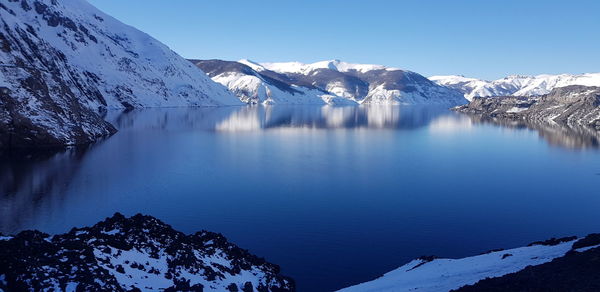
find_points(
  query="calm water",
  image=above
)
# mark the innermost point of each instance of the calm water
(335, 195)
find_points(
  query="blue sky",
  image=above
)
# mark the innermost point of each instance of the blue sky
(486, 38)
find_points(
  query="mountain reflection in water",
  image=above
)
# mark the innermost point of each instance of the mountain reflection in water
(37, 181)
(33, 183)
(555, 134)
(306, 186)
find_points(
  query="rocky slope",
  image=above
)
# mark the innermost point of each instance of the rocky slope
(574, 106)
(540, 266)
(515, 85)
(64, 62)
(326, 82)
(139, 253)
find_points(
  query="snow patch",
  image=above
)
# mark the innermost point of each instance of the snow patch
(448, 274)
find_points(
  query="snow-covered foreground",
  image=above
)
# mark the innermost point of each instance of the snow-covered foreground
(515, 85)
(435, 275)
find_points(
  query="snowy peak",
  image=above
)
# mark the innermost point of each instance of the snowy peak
(515, 85)
(329, 82)
(255, 66)
(452, 79)
(336, 65)
(253, 84)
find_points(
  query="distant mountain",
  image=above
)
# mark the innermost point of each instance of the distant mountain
(65, 62)
(331, 81)
(515, 85)
(139, 253)
(264, 86)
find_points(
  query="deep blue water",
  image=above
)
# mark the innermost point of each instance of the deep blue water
(334, 195)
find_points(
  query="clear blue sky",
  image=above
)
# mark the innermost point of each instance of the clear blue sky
(483, 38)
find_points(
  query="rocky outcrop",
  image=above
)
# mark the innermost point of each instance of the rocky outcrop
(572, 106)
(139, 253)
(63, 63)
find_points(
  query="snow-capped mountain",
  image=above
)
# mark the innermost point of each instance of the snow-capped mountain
(63, 62)
(529, 264)
(139, 253)
(264, 86)
(515, 85)
(333, 81)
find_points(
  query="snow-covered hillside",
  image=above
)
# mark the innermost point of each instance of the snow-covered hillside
(256, 85)
(64, 61)
(139, 253)
(515, 85)
(331, 81)
(430, 274)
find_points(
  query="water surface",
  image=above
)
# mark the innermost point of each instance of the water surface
(334, 195)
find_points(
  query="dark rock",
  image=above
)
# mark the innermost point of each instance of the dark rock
(590, 240)
(91, 257)
(553, 241)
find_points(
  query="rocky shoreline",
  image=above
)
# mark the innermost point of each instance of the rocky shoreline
(572, 106)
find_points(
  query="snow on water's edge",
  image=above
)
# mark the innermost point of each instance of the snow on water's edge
(447, 274)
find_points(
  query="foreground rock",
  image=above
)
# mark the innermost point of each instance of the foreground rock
(62, 63)
(572, 106)
(137, 253)
(567, 264)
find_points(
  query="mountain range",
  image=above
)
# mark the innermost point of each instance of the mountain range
(514, 85)
(326, 82)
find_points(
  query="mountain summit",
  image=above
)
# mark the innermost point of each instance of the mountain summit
(322, 82)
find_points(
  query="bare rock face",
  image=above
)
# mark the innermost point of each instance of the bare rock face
(133, 254)
(572, 106)
(63, 63)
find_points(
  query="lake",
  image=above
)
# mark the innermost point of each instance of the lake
(334, 195)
